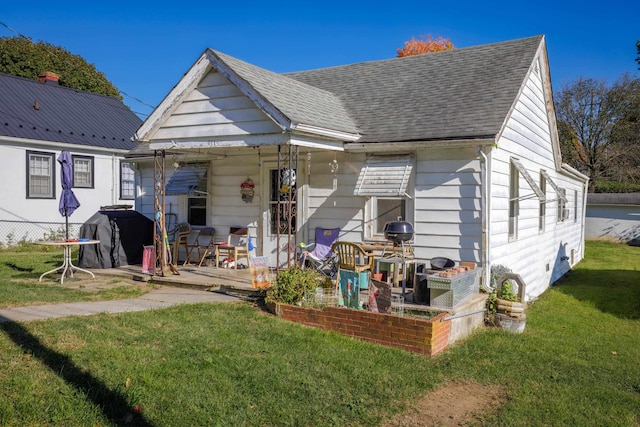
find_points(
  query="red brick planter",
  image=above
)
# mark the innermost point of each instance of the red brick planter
(425, 336)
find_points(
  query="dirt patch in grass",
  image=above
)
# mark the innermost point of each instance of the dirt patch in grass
(453, 404)
(101, 283)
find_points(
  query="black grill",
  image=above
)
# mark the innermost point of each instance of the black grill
(398, 231)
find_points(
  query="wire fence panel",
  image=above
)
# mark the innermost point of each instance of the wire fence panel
(14, 233)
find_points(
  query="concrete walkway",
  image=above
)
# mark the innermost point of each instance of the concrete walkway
(163, 296)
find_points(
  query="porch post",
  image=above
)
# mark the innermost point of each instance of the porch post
(159, 231)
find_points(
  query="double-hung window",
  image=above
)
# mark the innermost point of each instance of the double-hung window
(40, 175)
(516, 170)
(543, 203)
(82, 171)
(514, 201)
(127, 181)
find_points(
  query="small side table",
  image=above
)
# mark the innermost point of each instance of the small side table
(67, 265)
(397, 263)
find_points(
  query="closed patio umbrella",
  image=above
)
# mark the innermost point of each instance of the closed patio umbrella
(68, 201)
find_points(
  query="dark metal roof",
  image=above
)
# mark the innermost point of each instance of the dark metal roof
(46, 111)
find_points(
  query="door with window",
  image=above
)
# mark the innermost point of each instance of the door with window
(280, 213)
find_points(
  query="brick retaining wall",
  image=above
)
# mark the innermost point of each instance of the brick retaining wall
(425, 336)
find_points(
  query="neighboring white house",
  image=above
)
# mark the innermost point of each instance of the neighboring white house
(461, 143)
(39, 119)
(614, 217)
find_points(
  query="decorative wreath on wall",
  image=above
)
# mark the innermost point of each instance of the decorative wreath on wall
(246, 190)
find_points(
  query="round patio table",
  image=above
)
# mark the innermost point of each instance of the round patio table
(67, 265)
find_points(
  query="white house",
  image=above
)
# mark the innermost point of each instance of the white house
(461, 143)
(38, 120)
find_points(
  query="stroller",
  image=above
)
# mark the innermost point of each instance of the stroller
(318, 256)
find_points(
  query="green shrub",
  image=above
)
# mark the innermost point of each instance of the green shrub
(291, 284)
(616, 187)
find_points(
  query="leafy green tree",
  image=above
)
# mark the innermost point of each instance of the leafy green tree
(599, 129)
(19, 56)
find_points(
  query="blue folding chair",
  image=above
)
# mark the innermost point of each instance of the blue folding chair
(319, 256)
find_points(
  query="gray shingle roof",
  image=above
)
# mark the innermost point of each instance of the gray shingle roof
(300, 102)
(49, 112)
(462, 93)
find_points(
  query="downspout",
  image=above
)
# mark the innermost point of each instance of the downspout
(585, 188)
(485, 206)
(114, 174)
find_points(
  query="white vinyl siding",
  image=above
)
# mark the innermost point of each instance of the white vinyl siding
(537, 254)
(216, 109)
(447, 204)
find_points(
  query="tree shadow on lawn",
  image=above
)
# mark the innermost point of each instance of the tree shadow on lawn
(113, 404)
(616, 292)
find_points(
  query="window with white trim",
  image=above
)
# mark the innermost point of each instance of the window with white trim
(40, 175)
(197, 203)
(384, 179)
(197, 210)
(514, 200)
(127, 181)
(82, 171)
(543, 203)
(563, 212)
(384, 210)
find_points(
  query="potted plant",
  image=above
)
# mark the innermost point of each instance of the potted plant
(505, 307)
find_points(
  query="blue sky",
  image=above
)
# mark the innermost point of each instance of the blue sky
(144, 47)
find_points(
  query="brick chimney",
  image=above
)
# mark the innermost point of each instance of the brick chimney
(48, 77)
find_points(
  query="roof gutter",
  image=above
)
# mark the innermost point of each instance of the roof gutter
(329, 133)
(62, 145)
(372, 147)
(571, 171)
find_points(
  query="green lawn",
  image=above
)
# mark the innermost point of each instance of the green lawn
(233, 365)
(19, 285)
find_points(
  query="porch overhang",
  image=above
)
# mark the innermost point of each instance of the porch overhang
(220, 142)
(301, 139)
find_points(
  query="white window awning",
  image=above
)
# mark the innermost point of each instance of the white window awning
(537, 192)
(559, 191)
(187, 180)
(385, 176)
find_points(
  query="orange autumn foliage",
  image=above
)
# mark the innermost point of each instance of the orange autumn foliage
(424, 44)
